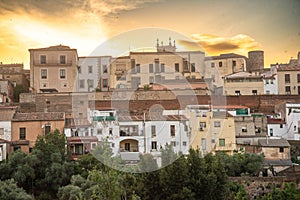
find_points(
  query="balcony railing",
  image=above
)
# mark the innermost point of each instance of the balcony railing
(124, 133)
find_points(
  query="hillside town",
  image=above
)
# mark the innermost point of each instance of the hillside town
(145, 100)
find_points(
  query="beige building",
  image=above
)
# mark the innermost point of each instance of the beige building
(212, 129)
(243, 83)
(26, 127)
(53, 69)
(143, 68)
(216, 67)
(288, 79)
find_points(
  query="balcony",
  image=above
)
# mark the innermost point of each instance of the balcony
(19, 142)
(53, 63)
(125, 133)
(104, 118)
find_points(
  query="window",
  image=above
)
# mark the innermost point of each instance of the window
(268, 92)
(203, 143)
(62, 59)
(150, 68)
(298, 89)
(271, 132)
(287, 78)
(281, 126)
(104, 67)
(62, 73)
(90, 83)
(153, 131)
(154, 145)
(173, 143)
(184, 143)
(132, 62)
(267, 81)
(99, 131)
(47, 129)
(212, 64)
(281, 149)
(105, 83)
(233, 63)
(298, 78)
(79, 69)
(287, 89)
(113, 145)
(172, 130)
(151, 79)
(244, 129)
(221, 142)
(237, 92)
(193, 68)
(22, 133)
(176, 67)
(295, 128)
(110, 131)
(156, 61)
(138, 68)
(271, 81)
(217, 124)
(81, 83)
(94, 144)
(254, 92)
(1, 131)
(220, 64)
(90, 68)
(162, 67)
(202, 126)
(43, 59)
(44, 73)
(185, 65)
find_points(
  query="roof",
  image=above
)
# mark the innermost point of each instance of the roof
(152, 117)
(277, 162)
(225, 56)
(50, 116)
(7, 112)
(288, 68)
(275, 121)
(273, 143)
(242, 75)
(55, 48)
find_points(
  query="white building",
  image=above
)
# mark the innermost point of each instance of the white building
(134, 134)
(288, 125)
(6, 114)
(270, 79)
(93, 73)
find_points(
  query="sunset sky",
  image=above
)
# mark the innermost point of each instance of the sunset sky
(217, 26)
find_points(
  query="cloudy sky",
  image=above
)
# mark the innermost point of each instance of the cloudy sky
(215, 26)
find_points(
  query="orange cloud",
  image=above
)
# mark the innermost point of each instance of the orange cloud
(213, 45)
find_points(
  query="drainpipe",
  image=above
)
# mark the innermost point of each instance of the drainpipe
(144, 131)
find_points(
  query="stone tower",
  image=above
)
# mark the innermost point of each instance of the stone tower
(255, 61)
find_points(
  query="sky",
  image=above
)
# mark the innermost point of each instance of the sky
(213, 26)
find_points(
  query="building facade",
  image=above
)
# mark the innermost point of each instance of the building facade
(26, 127)
(53, 69)
(94, 73)
(243, 83)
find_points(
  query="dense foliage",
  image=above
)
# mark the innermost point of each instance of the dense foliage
(47, 173)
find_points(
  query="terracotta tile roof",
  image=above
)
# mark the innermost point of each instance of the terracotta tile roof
(224, 56)
(275, 121)
(152, 117)
(273, 143)
(288, 68)
(51, 116)
(55, 48)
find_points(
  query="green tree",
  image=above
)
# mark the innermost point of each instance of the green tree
(17, 91)
(9, 190)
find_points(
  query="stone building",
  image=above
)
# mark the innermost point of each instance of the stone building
(15, 73)
(53, 69)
